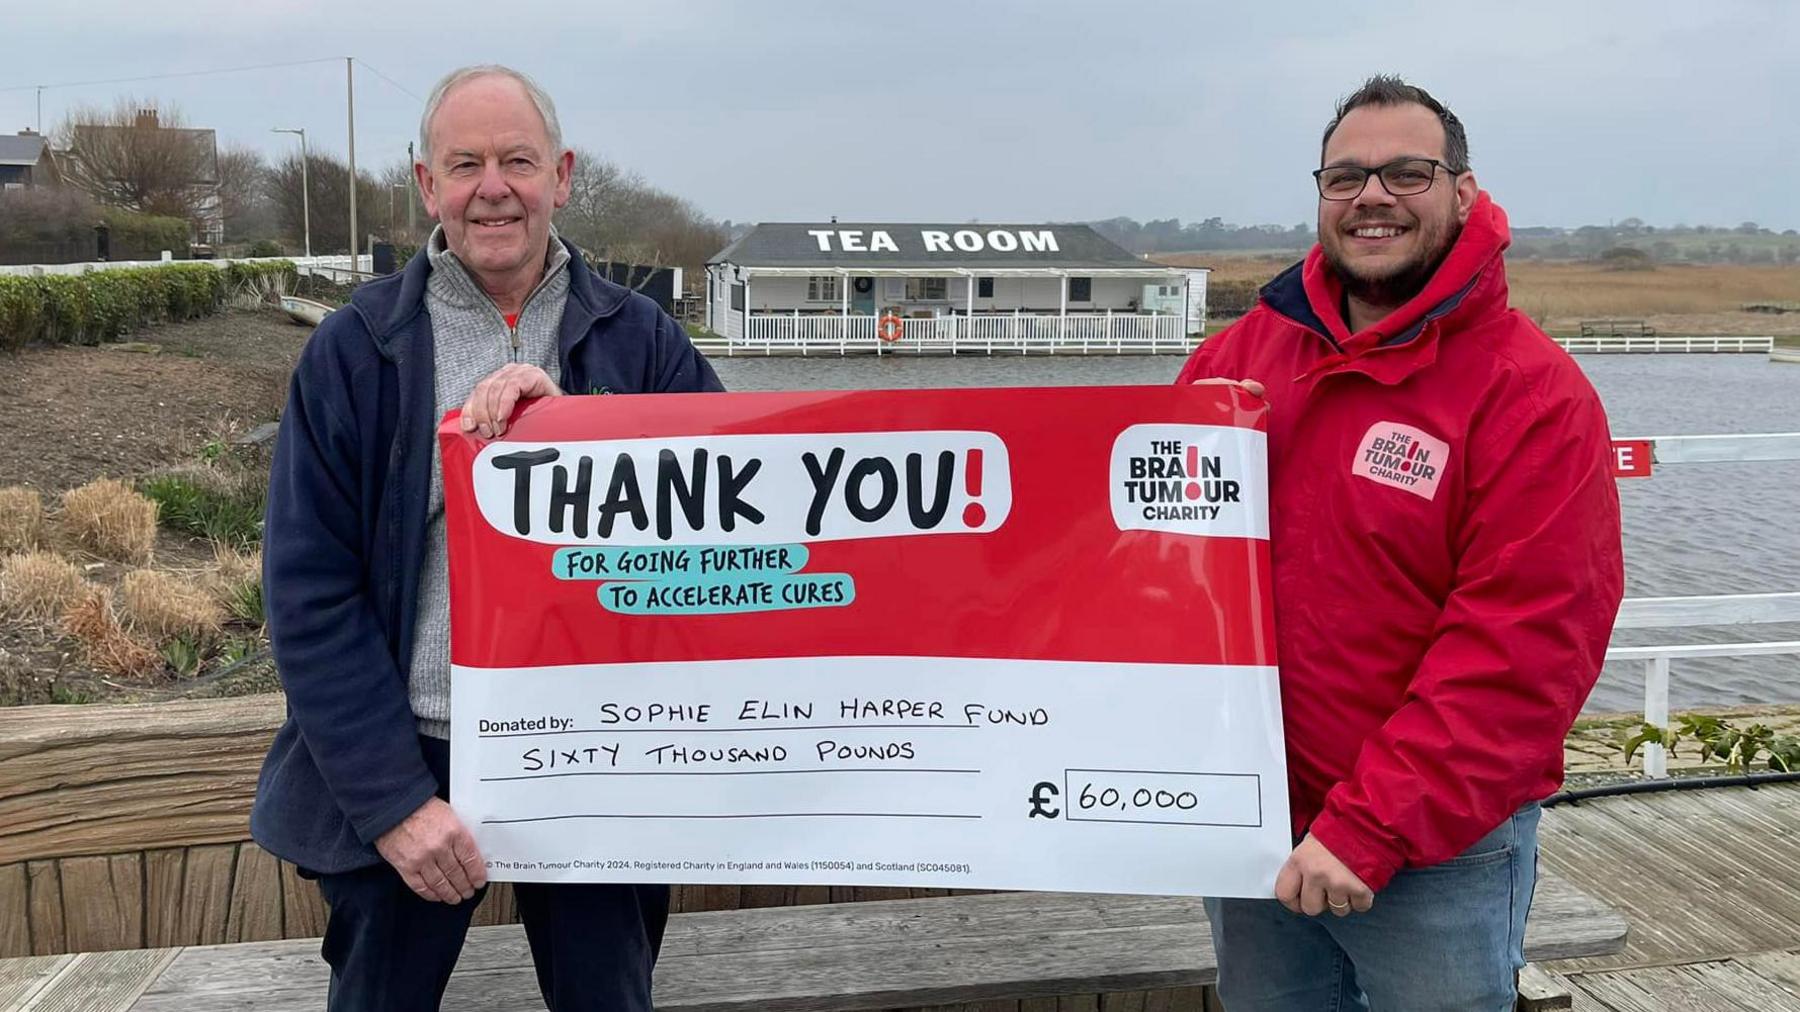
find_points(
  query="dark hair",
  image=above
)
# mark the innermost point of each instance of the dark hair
(1386, 89)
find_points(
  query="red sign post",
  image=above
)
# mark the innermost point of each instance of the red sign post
(1632, 458)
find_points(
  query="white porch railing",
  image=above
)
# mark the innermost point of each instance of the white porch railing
(1080, 333)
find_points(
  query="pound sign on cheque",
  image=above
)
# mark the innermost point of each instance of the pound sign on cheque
(1040, 801)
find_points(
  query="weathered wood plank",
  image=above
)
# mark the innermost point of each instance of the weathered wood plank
(1717, 986)
(756, 897)
(112, 779)
(697, 898)
(15, 911)
(23, 977)
(868, 976)
(302, 905)
(101, 981)
(103, 902)
(1582, 843)
(886, 955)
(164, 871)
(1584, 1002)
(206, 889)
(1781, 967)
(1539, 992)
(499, 906)
(43, 898)
(255, 911)
(1697, 874)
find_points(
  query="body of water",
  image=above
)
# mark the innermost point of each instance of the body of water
(1691, 529)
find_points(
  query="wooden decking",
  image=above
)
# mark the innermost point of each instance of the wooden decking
(1710, 883)
(1003, 950)
(1707, 880)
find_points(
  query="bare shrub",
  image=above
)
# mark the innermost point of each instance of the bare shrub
(21, 519)
(160, 607)
(105, 644)
(108, 518)
(39, 586)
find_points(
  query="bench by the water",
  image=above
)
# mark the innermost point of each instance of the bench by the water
(1616, 328)
(875, 955)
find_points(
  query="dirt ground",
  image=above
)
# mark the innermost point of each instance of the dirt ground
(71, 415)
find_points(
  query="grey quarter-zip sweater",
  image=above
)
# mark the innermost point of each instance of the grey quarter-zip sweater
(472, 340)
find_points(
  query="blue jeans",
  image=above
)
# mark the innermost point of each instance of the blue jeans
(1449, 937)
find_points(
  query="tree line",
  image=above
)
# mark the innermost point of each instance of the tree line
(1746, 242)
(121, 160)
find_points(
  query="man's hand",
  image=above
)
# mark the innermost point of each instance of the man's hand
(1314, 881)
(491, 403)
(1249, 386)
(435, 854)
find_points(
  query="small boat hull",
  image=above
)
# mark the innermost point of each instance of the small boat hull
(305, 310)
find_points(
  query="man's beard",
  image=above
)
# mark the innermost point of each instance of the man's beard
(1394, 287)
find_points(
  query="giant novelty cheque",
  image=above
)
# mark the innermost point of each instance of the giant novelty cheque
(1000, 639)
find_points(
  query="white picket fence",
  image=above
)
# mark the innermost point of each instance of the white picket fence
(1666, 345)
(1076, 333)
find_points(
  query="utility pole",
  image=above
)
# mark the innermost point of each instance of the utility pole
(412, 180)
(40, 96)
(350, 106)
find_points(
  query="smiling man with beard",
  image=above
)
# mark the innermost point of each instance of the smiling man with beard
(354, 792)
(1447, 566)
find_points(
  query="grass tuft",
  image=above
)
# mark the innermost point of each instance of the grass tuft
(39, 586)
(21, 519)
(108, 518)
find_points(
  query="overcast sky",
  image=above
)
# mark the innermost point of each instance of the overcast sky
(1577, 112)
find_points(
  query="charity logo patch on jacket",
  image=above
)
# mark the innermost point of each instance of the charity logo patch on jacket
(1403, 457)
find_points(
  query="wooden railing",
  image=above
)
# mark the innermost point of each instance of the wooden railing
(125, 827)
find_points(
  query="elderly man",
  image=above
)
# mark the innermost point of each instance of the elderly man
(495, 309)
(1446, 571)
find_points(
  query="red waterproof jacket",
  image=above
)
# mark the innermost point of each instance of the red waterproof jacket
(1445, 535)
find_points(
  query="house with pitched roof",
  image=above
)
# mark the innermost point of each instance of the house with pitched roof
(834, 286)
(25, 161)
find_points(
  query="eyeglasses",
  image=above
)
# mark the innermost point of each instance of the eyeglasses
(1402, 177)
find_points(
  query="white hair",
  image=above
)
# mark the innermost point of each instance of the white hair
(539, 98)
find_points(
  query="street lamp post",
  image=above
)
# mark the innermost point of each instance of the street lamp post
(305, 198)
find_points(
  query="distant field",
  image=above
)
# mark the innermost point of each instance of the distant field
(1676, 299)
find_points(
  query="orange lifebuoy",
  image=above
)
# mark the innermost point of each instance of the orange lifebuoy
(890, 328)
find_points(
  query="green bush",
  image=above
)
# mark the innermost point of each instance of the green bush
(220, 503)
(1231, 298)
(102, 305)
(135, 236)
(266, 248)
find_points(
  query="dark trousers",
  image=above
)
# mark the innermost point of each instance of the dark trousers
(390, 950)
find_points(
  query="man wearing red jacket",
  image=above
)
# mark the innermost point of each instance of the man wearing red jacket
(1447, 567)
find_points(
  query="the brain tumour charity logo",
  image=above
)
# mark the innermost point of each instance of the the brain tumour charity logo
(1175, 481)
(1187, 479)
(1401, 456)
